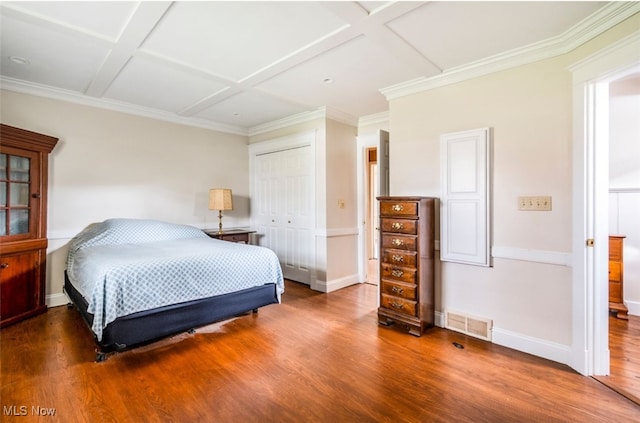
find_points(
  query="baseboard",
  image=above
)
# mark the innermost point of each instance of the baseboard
(57, 300)
(527, 344)
(634, 307)
(534, 346)
(336, 284)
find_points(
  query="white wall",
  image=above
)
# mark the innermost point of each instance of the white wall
(110, 164)
(624, 181)
(529, 109)
(624, 127)
(528, 292)
(342, 228)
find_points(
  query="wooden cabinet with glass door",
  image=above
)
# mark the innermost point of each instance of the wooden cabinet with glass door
(23, 222)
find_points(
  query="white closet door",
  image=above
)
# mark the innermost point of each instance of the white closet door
(284, 215)
(266, 200)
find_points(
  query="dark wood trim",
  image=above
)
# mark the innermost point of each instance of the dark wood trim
(21, 138)
(13, 247)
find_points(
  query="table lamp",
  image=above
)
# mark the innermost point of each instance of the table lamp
(220, 199)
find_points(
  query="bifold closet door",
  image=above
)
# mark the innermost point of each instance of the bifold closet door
(284, 216)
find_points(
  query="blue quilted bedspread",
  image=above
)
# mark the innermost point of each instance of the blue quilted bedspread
(123, 266)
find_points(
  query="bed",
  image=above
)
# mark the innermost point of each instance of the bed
(135, 281)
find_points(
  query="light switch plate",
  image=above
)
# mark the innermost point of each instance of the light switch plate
(537, 203)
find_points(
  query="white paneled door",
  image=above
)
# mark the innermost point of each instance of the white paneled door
(284, 216)
(465, 218)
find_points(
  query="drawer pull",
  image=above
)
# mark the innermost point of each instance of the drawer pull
(397, 258)
(396, 273)
(396, 226)
(396, 305)
(397, 207)
(397, 242)
(397, 290)
(4, 265)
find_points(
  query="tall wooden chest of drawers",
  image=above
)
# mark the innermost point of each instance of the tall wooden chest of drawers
(616, 277)
(407, 262)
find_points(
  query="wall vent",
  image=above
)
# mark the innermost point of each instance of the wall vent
(472, 326)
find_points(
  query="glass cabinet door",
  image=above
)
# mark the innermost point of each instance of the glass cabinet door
(16, 176)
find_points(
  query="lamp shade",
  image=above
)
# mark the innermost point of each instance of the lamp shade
(220, 199)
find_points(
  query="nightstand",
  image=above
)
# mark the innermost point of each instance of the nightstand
(232, 235)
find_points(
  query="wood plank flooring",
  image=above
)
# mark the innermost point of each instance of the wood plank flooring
(624, 352)
(314, 358)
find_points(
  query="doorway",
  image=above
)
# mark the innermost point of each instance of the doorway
(624, 207)
(373, 181)
(372, 215)
(591, 77)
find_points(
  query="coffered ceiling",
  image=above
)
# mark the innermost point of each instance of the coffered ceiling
(240, 66)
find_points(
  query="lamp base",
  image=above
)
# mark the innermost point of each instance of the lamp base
(219, 222)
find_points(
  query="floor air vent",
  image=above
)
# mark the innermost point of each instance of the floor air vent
(472, 326)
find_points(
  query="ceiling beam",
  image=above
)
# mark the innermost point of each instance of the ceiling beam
(144, 19)
(374, 27)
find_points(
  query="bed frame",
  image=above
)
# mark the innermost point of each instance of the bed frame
(147, 326)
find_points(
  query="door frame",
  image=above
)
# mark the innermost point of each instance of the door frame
(591, 77)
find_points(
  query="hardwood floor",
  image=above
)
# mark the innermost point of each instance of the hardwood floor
(314, 358)
(624, 351)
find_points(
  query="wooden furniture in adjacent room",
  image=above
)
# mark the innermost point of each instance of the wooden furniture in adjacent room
(23, 222)
(616, 272)
(233, 235)
(407, 262)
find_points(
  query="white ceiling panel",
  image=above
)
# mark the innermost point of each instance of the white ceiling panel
(237, 39)
(149, 84)
(352, 67)
(54, 58)
(251, 64)
(249, 109)
(456, 33)
(105, 18)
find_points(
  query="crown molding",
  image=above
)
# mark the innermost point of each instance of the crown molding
(285, 122)
(320, 113)
(603, 19)
(339, 116)
(375, 119)
(628, 43)
(40, 90)
(598, 22)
